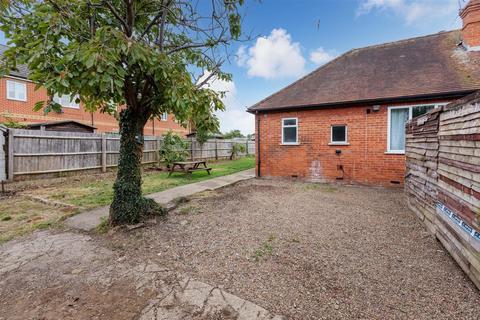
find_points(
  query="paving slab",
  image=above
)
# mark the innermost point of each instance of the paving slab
(89, 220)
(65, 275)
(191, 299)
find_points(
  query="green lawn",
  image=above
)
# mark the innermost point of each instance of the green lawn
(98, 193)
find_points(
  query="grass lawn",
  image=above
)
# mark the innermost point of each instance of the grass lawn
(99, 193)
(19, 214)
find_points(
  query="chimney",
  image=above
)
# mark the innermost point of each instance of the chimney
(470, 15)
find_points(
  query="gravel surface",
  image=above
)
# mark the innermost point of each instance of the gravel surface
(310, 251)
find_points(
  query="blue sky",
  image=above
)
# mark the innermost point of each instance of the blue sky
(294, 37)
(298, 36)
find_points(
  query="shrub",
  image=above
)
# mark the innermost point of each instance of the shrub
(236, 149)
(10, 123)
(174, 149)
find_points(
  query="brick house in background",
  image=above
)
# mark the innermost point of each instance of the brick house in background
(18, 96)
(346, 120)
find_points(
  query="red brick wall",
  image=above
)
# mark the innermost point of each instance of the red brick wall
(22, 112)
(364, 160)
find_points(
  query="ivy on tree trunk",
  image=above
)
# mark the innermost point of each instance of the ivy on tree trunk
(128, 204)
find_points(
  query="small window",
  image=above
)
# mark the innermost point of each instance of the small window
(339, 134)
(65, 101)
(290, 131)
(16, 90)
(164, 116)
(419, 110)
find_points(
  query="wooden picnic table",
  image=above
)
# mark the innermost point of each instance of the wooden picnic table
(189, 167)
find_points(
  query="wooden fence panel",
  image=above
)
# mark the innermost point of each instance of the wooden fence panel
(3, 156)
(41, 152)
(443, 178)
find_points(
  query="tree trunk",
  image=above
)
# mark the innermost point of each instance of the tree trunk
(128, 204)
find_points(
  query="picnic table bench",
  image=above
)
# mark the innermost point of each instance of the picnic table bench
(189, 167)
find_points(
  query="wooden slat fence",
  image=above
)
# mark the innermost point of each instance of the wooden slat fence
(34, 152)
(3, 149)
(443, 178)
(219, 148)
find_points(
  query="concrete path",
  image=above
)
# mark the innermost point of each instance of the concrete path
(89, 220)
(70, 276)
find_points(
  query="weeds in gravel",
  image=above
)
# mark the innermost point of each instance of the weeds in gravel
(180, 200)
(265, 249)
(188, 210)
(103, 226)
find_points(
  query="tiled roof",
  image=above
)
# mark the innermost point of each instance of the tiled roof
(426, 66)
(22, 70)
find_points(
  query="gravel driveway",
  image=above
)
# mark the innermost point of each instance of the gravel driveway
(310, 251)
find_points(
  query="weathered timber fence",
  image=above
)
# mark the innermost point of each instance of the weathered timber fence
(34, 152)
(443, 178)
(3, 149)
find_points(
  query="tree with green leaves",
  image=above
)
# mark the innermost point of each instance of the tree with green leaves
(146, 56)
(173, 149)
(233, 134)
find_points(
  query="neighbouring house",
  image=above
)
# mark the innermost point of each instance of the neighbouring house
(346, 120)
(18, 96)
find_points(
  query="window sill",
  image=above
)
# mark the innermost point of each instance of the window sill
(290, 144)
(395, 152)
(13, 99)
(339, 144)
(70, 107)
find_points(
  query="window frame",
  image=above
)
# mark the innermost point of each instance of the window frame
(14, 82)
(290, 126)
(339, 143)
(410, 117)
(164, 116)
(68, 106)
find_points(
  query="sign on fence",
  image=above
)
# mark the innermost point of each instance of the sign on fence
(42, 152)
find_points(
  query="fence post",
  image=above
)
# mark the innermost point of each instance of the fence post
(157, 154)
(246, 147)
(191, 149)
(10, 154)
(104, 153)
(3, 156)
(216, 149)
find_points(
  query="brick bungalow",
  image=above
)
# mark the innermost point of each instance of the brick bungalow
(18, 96)
(346, 120)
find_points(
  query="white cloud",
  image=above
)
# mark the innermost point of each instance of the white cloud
(412, 11)
(237, 119)
(321, 56)
(274, 56)
(235, 116)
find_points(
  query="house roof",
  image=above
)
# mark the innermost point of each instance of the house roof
(429, 66)
(22, 70)
(55, 123)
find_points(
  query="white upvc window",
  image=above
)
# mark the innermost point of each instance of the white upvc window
(65, 101)
(16, 90)
(397, 118)
(164, 116)
(290, 131)
(339, 134)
